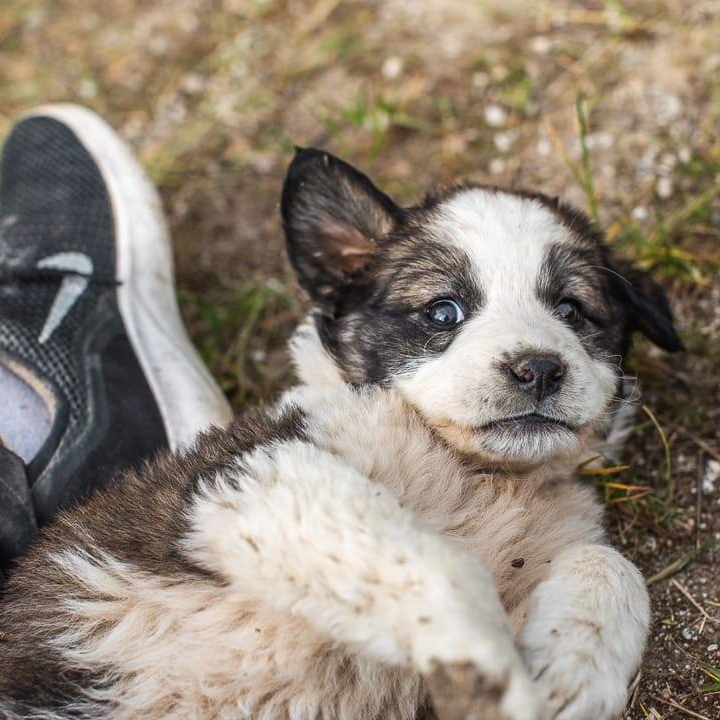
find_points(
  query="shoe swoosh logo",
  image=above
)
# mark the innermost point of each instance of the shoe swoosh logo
(72, 287)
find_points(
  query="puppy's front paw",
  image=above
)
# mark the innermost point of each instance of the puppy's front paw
(585, 632)
(572, 674)
(461, 691)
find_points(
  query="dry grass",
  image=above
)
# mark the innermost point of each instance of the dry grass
(614, 105)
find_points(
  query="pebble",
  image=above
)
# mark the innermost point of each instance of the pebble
(505, 140)
(684, 155)
(497, 166)
(541, 44)
(495, 115)
(87, 89)
(392, 67)
(712, 647)
(480, 79)
(710, 477)
(688, 633)
(193, 83)
(664, 187)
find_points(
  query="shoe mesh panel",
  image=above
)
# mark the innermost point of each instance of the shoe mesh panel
(52, 200)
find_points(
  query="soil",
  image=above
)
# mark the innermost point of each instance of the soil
(613, 105)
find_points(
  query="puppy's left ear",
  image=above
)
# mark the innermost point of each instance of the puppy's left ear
(333, 218)
(649, 310)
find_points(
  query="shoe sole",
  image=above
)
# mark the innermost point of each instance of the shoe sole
(188, 398)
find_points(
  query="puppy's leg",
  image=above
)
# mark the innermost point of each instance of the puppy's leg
(585, 632)
(299, 530)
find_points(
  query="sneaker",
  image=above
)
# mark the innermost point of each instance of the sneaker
(17, 514)
(88, 314)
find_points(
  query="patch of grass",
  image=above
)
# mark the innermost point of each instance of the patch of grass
(375, 114)
(240, 332)
(713, 673)
(682, 243)
(584, 173)
(518, 89)
(667, 462)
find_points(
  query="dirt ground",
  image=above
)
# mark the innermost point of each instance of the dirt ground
(613, 105)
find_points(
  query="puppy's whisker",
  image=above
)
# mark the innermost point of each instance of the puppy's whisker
(608, 270)
(590, 335)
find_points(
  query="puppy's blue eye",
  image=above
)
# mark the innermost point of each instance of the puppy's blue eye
(570, 311)
(445, 313)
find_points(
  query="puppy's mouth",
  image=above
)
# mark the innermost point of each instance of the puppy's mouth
(532, 422)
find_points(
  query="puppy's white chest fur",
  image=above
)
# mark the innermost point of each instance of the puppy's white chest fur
(514, 523)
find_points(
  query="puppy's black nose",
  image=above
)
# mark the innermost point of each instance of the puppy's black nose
(538, 375)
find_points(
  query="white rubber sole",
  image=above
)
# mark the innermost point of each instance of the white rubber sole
(187, 396)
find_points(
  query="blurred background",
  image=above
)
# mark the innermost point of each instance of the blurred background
(613, 105)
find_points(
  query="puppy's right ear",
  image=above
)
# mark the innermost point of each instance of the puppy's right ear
(333, 218)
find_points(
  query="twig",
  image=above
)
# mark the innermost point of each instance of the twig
(673, 567)
(693, 601)
(681, 563)
(698, 500)
(588, 183)
(633, 690)
(700, 443)
(317, 16)
(677, 706)
(669, 480)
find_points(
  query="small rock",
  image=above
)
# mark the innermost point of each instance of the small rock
(664, 187)
(688, 633)
(499, 72)
(497, 166)
(87, 89)
(541, 44)
(710, 477)
(684, 155)
(505, 140)
(712, 647)
(480, 79)
(193, 83)
(650, 544)
(392, 67)
(602, 140)
(495, 115)
(158, 45)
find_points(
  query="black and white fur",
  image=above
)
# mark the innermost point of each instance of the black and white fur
(401, 536)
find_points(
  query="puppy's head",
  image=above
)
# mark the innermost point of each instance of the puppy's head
(498, 315)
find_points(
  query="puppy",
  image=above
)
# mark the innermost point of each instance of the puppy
(401, 536)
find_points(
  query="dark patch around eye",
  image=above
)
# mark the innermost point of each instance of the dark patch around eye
(570, 271)
(578, 271)
(418, 270)
(390, 330)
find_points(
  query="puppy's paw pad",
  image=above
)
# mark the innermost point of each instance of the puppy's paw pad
(459, 691)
